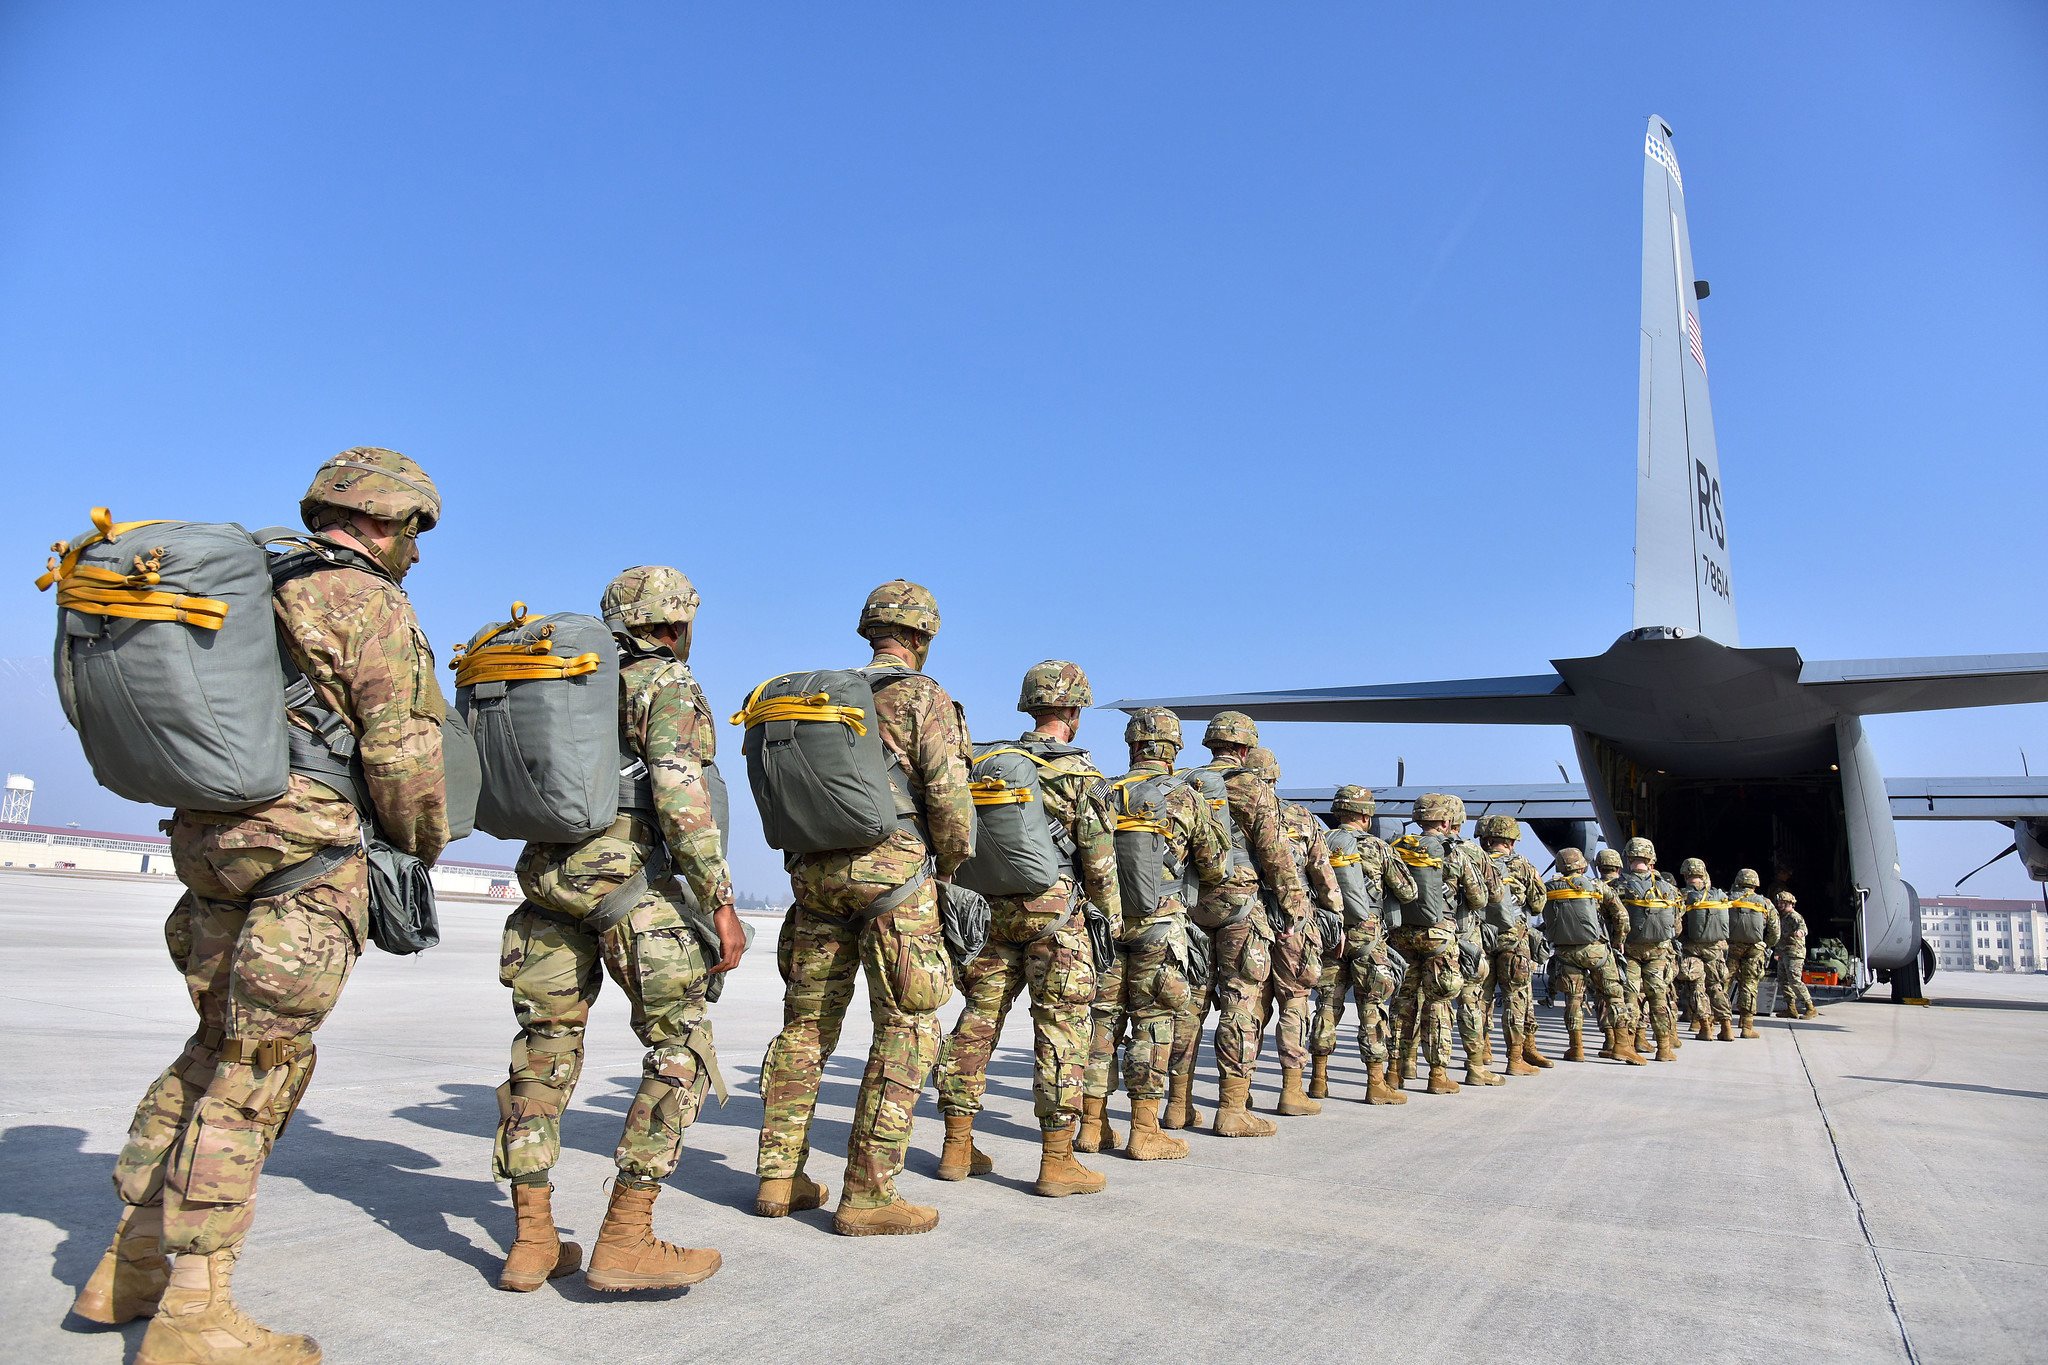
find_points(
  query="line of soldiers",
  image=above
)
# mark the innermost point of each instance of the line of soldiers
(1262, 915)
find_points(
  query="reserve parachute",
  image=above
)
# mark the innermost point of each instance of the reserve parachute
(1020, 849)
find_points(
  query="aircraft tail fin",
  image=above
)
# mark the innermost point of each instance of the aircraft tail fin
(1682, 576)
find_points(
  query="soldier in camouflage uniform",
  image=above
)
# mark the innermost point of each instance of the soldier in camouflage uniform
(1240, 931)
(1298, 947)
(1796, 1001)
(274, 916)
(1433, 983)
(1703, 929)
(1039, 943)
(1520, 886)
(873, 910)
(1155, 937)
(1475, 1027)
(1652, 904)
(1585, 922)
(622, 903)
(1752, 933)
(1367, 873)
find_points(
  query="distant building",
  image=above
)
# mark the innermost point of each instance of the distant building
(15, 800)
(1976, 934)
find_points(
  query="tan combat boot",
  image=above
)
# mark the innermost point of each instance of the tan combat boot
(1440, 1082)
(1319, 1079)
(1702, 1031)
(1397, 1070)
(1625, 1049)
(897, 1218)
(1727, 1032)
(1531, 1055)
(1180, 1103)
(197, 1321)
(1519, 1065)
(1232, 1118)
(1377, 1091)
(1147, 1142)
(1095, 1134)
(1608, 1049)
(1575, 1045)
(1059, 1174)
(1642, 1036)
(1477, 1074)
(538, 1253)
(1292, 1099)
(1749, 1026)
(131, 1276)
(779, 1198)
(1812, 1012)
(629, 1256)
(1667, 1042)
(961, 1158)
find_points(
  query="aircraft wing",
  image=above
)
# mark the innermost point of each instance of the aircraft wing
(1968, 798)
(1868, 687)
(1537, 699)
(1532, 801)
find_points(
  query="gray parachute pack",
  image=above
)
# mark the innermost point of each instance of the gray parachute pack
(1147, 870)
(1020, 849)
(1424, 855)
(822, 779)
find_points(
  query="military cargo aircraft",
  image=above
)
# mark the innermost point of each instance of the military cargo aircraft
(1740, 756)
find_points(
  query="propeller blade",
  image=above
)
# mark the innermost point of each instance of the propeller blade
(2009, 849)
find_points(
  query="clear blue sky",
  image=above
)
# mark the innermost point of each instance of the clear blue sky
(1180, 340)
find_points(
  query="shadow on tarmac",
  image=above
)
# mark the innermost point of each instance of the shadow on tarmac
(1955, 1085)
(46, 1174)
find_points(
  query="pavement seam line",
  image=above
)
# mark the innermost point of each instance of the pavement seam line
(1884, 1278)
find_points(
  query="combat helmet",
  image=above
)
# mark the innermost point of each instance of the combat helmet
(1747, 880)
(1262, 762)
(1500, 827)
(650, 595)
(1457, 815)
(1639, 847)
(1570, 860)
(899, 602)
(1052, 685)
(1787, 898)
(1693, 867)
(1152, 725)
(1433, 806)
(1353, 800)
(375, 481)
(1609, 858)
(1230, 727)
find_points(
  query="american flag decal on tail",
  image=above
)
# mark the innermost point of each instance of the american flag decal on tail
(1692, 338)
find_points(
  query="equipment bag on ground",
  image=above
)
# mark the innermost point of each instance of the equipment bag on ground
(541, 696)
(822, 779)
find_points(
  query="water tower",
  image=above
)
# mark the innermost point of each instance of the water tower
(21, 794)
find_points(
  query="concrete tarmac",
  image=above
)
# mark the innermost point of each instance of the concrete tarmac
(1865, 1187)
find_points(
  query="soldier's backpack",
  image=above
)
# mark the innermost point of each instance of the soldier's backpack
(822, 778)
(1361, 898)
(1147, 871)
(1424, 855)
(167, 662)
(1020, 849)
(541, 695)
(1210, 784)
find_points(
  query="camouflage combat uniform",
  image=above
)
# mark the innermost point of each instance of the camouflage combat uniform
(829, 936)
(1240, 932)
(1703, 930)
(1155, 940)
(1361, 968)
(1298, 950)
(1752, 932)
(1652, 902)
(1039, 943)
(553, 963)
(1514, 967)
(263, 974)
(1584, 920)
(1475, 1031)
(1796, 1000)
(1433, 984)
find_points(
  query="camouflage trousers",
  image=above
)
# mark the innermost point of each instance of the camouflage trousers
(552, 966)
(1157, 999)
(1370, 976)
(1792, 983)
(1188, 1024)
(1430, 989)
(826, 941)
(1650, 986)
(1511, 980)
(1746, 973)
(1105, 1030)
(1474, 994)
(263, 975)
(1240, 964)
(1580, 963)
(1710, 985)
(1289, 991)
(1036, 945)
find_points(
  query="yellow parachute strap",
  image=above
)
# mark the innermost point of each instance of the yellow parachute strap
(1708, 905)
(1414, 854)
(1126, 824)
(991, 792)
(1561, 893)
(1089, 773)
(814, 706)
(479, 661)
(1346, 859)
(130, 596)
(1648, 902)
